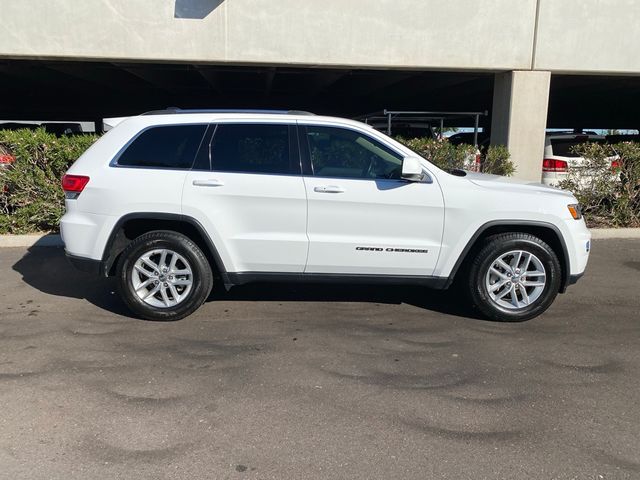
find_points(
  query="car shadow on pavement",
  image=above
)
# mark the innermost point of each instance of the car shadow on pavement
(446, 302)
(47, 270)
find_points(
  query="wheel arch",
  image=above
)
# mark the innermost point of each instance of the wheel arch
(548, 232)
(132, 225)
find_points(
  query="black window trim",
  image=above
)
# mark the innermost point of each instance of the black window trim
(294, 150)
(305, 153)
(204, 151)
(114, 162)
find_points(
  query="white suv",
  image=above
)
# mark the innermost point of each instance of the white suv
(169, 201)
(559, 157)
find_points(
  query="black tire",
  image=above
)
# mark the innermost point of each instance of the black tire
(202, 277)
(502, 244)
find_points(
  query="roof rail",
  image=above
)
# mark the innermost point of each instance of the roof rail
(176, 110)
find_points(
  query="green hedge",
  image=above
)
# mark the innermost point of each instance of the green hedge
(32, 200)
(447, 156)
(610, 197)
(31, 196)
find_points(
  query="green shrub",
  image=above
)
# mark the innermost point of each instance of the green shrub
(441, 153)
(497, 161)
(447, 156)
(609, 196)
(31, 197)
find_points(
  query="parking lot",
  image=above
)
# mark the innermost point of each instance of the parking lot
(305, 382)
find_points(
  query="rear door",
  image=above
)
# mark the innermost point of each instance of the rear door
(247, 190)
(363, 218)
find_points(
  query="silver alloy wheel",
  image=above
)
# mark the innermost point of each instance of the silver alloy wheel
(515, 279)
(162, 278)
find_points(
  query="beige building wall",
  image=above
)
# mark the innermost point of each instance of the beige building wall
(571, 36)
(456, 34)
(588, 36)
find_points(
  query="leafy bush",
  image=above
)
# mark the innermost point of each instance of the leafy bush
(447, 156)
(497, 161)
(441, 153)
(610, 196)
(31, 197)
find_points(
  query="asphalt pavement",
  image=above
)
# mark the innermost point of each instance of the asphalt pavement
(317, 382)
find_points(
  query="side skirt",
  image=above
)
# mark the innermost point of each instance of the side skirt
(438, 283)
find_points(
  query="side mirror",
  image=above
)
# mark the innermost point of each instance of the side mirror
(412, 169)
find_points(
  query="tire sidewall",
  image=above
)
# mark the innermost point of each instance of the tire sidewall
(180, 244)
(490, 253)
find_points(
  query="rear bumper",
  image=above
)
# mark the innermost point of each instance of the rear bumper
(84, 264)
(552, 179)
(85, 234)
(573, 279)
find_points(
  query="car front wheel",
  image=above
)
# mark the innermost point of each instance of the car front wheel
(514, 277)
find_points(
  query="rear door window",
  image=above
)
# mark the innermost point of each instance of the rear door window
(165, 146)
(253, 148)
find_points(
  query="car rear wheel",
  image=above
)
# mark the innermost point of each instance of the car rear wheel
(163, 275)
(514, 277)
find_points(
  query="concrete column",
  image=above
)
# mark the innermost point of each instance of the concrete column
(519, 119)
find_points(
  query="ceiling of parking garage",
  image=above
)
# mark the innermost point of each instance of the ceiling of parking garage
(62, 90)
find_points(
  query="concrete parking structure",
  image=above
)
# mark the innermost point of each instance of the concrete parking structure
(517, 59)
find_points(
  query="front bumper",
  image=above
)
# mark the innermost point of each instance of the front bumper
(578, 238)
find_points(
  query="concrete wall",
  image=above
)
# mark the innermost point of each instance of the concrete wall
(588, 36)
(572, 35)
(453, 34)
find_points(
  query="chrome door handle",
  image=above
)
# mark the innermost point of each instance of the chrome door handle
(329, 189)
(208, 183)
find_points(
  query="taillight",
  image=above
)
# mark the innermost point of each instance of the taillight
(7, 160)
(74, 184)
(615, 165)
(552, 165)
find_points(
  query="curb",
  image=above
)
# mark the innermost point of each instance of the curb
(54, 240)
(31, 240)
(611, 233)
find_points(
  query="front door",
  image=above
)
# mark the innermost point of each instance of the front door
(362, 217)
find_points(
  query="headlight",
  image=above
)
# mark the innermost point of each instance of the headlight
(575, 211)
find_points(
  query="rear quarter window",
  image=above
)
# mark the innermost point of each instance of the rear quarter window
(165, 146)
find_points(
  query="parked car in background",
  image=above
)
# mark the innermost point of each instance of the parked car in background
(466, 138)
(57, 128)
(6, 161)
(474, 162)
(619, 138)
(560, 157)
(18, 126)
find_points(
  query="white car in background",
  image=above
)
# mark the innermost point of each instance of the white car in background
(559, 157)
